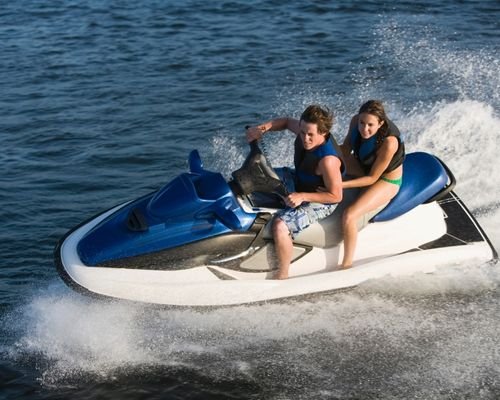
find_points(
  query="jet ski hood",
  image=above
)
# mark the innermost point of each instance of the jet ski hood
(193, 206)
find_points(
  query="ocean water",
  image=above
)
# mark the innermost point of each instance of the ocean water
(102, 101)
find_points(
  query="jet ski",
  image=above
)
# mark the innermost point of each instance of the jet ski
(203, 240)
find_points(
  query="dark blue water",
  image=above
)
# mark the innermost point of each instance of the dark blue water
(102, 101)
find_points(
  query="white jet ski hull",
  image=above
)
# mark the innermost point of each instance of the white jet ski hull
(433, 235)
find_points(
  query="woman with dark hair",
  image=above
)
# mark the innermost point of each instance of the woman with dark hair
(374, 154)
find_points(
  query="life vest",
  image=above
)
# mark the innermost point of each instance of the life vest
(365, 150)
(306, 163)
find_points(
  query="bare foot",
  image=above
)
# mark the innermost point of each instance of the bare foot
(280, 275)
(345, 266)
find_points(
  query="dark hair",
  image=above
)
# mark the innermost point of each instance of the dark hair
(322, 117)
(375, 108)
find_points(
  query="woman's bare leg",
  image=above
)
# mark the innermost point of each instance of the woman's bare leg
(373, 197)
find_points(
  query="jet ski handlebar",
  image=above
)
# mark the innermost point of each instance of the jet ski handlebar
(257, 175)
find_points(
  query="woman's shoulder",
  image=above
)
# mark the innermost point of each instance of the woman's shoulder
(392, 129)
(390, 143)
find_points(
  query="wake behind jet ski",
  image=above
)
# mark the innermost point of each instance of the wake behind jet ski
(202, 240)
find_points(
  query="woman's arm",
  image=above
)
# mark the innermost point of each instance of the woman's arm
(384, 157)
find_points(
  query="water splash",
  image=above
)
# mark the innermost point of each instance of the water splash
(463, 134)
(392, 324)
(422, 60)
(226, 153)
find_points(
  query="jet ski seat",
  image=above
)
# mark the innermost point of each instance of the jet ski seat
(425, 179)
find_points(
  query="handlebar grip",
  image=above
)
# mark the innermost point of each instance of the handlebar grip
(254, 143)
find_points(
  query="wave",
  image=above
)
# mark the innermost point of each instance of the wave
(395, 323)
